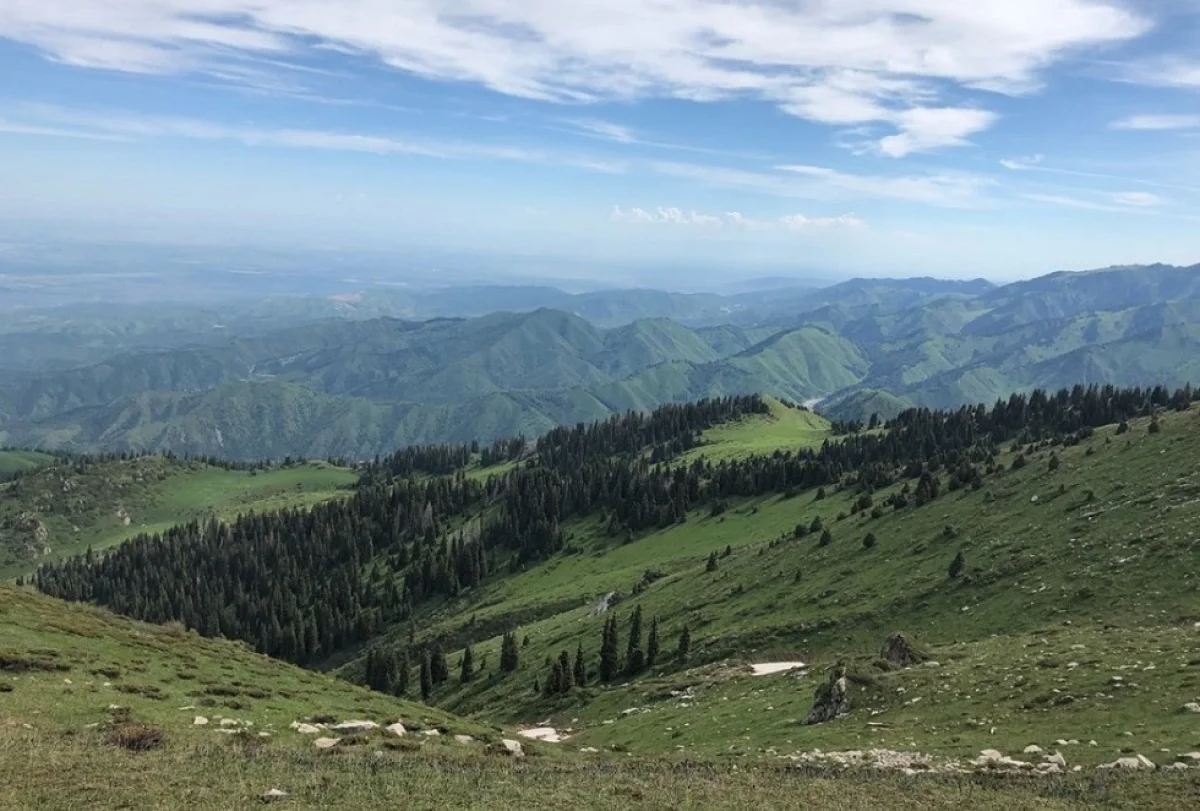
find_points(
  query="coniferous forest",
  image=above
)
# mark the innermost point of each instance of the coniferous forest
(303, 585)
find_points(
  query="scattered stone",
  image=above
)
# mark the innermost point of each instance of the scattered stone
(898, 651)
(230, 722)
(1192, 706)
(1032, 749)
(831, 699)
(589, 749)
(199, 721)
(397, 729)
(326, 743)
(354, 727)
(1192, 757)
(273, 794)
(1136, 764)
(1176, 767)
(1057, 759)
(307, 729)
(513, 747)
(464, 739)
(430, 732)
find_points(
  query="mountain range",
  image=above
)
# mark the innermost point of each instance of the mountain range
(332, 377)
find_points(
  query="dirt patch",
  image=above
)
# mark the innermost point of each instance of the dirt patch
(18, 663)
(136, 737)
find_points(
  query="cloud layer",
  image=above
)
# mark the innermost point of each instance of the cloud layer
(666, 215)
(898, 67)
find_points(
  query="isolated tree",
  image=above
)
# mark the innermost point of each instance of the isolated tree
(652, 644)
(580, 669)
(820, 494)
(610, 663)
(957, 565)
(426, 677)
(728, 551)
(684, 649)
(635, 657)
(510, 655)
(567, 680)
(817, 525)
(1052, 465)
(711, 566)
(439, 670)
(869, 541)
(826, 538)
(1154, 425)
(402, 665)
(467, 670)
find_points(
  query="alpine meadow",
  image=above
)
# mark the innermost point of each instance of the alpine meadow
(713, 405)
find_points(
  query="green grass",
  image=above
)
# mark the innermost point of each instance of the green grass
(73, 674)
(106, 502)
(21, 461)
(1096, 559)
(783, 427)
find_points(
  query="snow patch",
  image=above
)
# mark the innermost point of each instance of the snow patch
(768, 668)
(548, 734)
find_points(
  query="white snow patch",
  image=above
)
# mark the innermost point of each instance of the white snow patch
(548, 734)
(767, 668)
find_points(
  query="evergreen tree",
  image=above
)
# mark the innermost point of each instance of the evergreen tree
(684, 648)
(635, 657)
(711, 566)
(869, 541)
(652, 644)
(610, 664)
(401, 686)
(826, 538)
(426, 678)
(467, 669)
(957, 565)
(567, 678)
(439, 670)
(580, 670)
(510, 654)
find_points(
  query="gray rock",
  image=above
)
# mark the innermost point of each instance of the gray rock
(1032, 749)
(273, 794)
(307, 729)
(397, 729)
(326, 743)
(1192, 706)
(200, 721)
(1141, 763)
(353, 727)
(513, 748)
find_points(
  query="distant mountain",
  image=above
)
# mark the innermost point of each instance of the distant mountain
(351, 386)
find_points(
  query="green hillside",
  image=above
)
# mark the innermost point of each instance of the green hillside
(68, 506)
(861, 404)
(15, 461)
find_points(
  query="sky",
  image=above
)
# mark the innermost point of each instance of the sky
(648, 139)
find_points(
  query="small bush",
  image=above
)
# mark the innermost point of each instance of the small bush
(5, 687)
(136, 737)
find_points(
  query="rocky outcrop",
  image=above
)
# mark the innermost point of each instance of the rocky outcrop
(397, 729)
(513, 748)
(831, 699)
(898, 651)
(354, 727)
(1140, 763)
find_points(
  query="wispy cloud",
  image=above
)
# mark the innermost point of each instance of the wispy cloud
(1022, 164)
(891, 63)
(1185, 121)
(731, 219)
(56, 121)
(1137, 198)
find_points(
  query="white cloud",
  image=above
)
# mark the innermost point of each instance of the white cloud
(839, 63)
(1021, 164)
(732, 219)
(1158, 122)
(947, 189)
(1137, 198)
(606, 130)
(1166, 72)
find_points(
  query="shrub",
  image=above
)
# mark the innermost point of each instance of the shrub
(868, 541)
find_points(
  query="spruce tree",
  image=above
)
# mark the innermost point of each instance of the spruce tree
(711, 566)
(510, 655)
(652, 644)
(439, 670)
(426, 677)
(566, 677)
(401, 686)
(635, 657)
(685, 645)
(826, 538)
(580, 671)
(957, 565)
(467, 670)
(610, 664)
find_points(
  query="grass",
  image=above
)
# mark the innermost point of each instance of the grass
(110, 501)
(783, 427)
(14, 461)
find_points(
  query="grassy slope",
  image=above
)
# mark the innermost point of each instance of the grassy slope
(19, 461)
(53, 753)
(784, 427)
(1113, 560)
(154, 493)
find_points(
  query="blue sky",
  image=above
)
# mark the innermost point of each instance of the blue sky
(869, 137)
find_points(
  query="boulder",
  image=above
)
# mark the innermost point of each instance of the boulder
(230, 722)
(1192, 706)
(431, 732)
(464, 739)
(1141, 763)
(1032, 749)
(306, 729)
(397, 729)
(272, 794)
(513, 748)
(199, 721)
(899, 651)
(1057, 759)
(832, 698)
(326, 743)
(354, 727)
